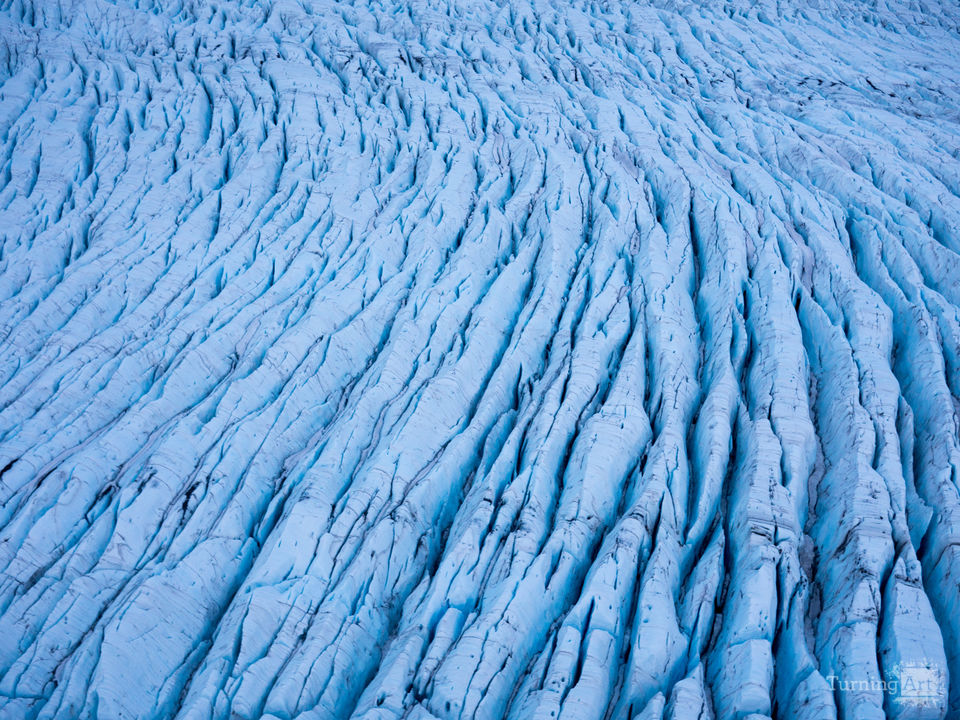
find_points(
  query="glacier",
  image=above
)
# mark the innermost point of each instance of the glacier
(472, 359)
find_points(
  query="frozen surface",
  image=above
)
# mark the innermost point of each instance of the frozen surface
(454, 359)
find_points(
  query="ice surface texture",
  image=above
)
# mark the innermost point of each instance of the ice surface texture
(475, 360)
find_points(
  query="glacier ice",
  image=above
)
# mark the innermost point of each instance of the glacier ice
(449, 359)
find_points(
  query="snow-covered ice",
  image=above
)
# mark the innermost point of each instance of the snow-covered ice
(479, 359)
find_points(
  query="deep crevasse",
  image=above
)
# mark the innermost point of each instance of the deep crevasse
(586, 360)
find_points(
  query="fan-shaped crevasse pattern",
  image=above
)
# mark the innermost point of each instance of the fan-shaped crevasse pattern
(464, 359)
